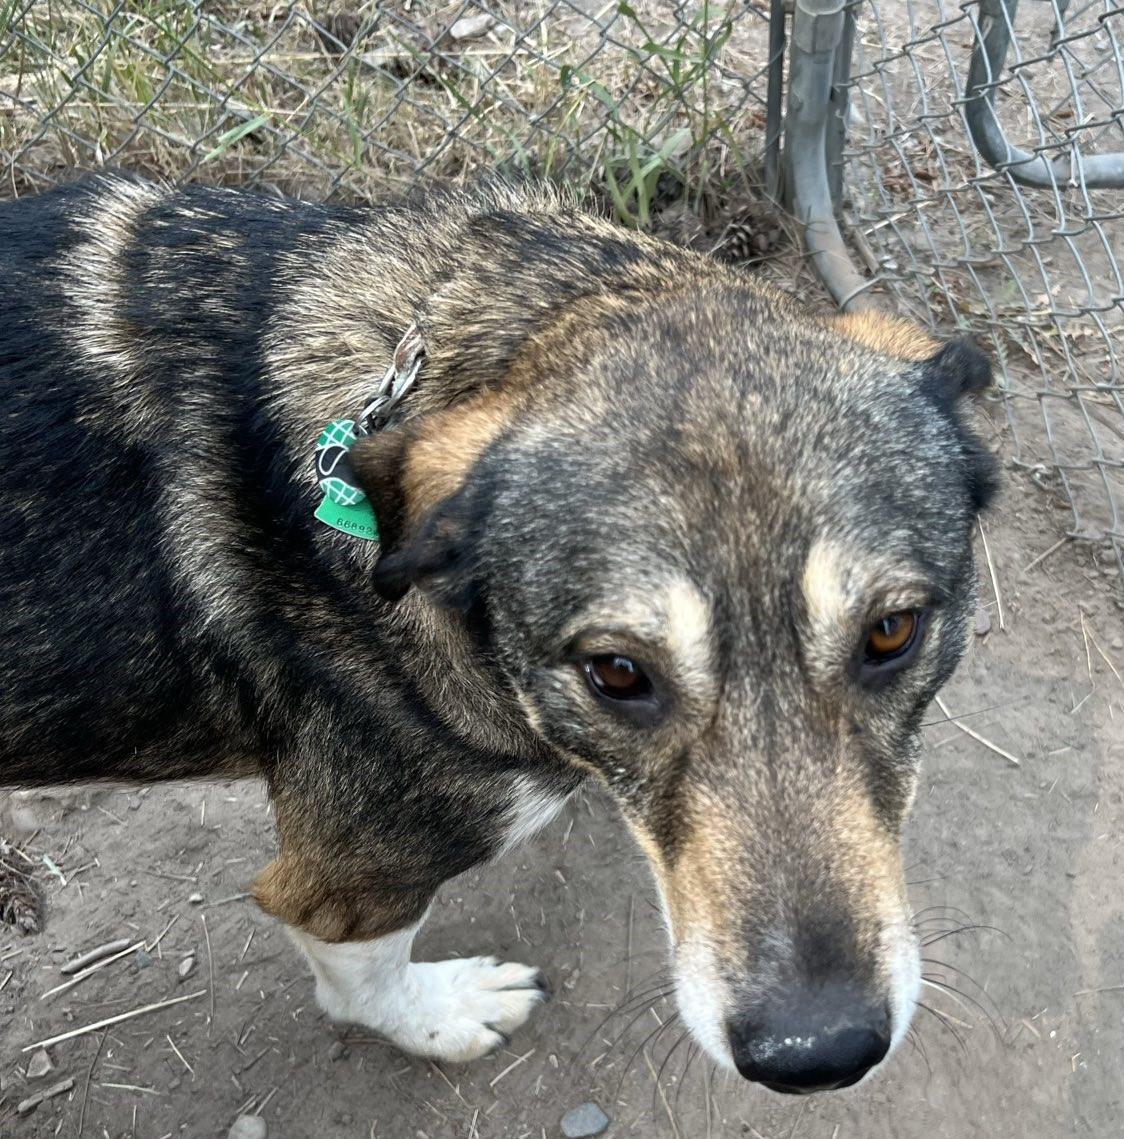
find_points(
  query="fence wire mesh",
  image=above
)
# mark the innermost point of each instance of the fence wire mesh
(346, 101)
(1035, 271)
(663, 108)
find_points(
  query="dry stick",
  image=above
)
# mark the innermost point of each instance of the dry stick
(511, 1067)
(51, 1041)
(628, 946)
(1104, 655)
(1088, 655)
(210, 970)
(994, 578)
(35, 1100)
(453, 1087)
(976, 735)
(242, 955)
(167, 1036)
(226, 901)
(261, 1106)
(89, 1076)
(800, 1113)
(160, 937)
(88, 958)
(92, 969)
(1044, 555)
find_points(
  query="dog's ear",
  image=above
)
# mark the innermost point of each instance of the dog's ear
(956, 369)
(947, 373)
(950, 370)
(417, 477)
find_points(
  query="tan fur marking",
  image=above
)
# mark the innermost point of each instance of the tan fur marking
(448, 445)
(708, 885)
(688, 626)
(93, 281)
(889, 334)
(825, 583)
(301, 892)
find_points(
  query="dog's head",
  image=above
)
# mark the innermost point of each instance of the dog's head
(720, 550)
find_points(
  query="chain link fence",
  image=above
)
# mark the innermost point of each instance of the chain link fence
(984, 189)
(970, 154)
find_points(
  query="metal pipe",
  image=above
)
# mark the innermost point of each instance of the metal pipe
(775, 98)
(997, 18)
(840, 100)
(817, 31)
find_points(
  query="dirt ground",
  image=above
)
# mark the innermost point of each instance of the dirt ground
(1033, 850)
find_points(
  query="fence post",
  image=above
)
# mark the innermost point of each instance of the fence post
(818, 28)
(774, 99)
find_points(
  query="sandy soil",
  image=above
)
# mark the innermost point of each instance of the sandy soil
(1034, 851)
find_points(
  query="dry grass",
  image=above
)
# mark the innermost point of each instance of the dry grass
(369, 97)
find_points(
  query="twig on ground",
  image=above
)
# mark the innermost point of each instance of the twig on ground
(51, 1041)
(1014, 760)
(994, 576)
(210, 970)
(511, 1067)
(93, 969)
(89, 1076)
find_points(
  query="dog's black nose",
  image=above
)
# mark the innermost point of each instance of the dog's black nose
(821, 1042)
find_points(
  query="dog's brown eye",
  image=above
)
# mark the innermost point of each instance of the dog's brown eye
(891, 635)
(617, 677)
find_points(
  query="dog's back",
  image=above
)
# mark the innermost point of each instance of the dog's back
(125, 352)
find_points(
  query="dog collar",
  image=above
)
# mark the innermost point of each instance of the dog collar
(345, 506)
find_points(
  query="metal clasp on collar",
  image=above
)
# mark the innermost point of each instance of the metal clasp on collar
(396, 382)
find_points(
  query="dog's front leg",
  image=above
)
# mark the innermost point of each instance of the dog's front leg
(453, 1010)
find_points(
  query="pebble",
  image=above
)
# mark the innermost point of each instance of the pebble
(143, 959)
(40, 1065)
(247, 1127)
(584, 1120)
(983, 622)
(468, 27)
(338, 1051)
(186, 966)
(197, 900)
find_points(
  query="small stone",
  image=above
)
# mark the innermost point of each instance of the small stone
(174, 1083)
(338, 1051)
(1117, 643)
(40, 1065)
(197, 900)
(143, 959)
(983, 622)
(585, 1120)
(468, 27)
(186, 966)
(247, 1127)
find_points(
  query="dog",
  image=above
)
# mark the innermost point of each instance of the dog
(429, 514)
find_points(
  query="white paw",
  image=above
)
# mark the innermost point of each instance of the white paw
(451, 1010)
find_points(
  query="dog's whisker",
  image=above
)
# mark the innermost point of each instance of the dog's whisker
(934, 938)
(646, 1006)
(945, 1023)
(656, 1032)
(968, 1003)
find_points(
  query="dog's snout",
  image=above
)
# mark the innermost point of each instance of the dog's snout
(810, 1042)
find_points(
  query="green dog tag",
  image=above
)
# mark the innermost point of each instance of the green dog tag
(344, 506)
(358, 520)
